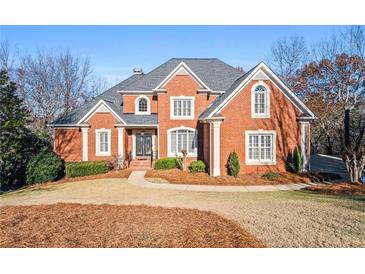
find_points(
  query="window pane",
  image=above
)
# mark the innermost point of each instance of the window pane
(173, 141)
(191, 141)
(260, 100)
(175, 108)
(182, 107)
(142, 105)
(103, 142)
(260, 147)
(188, 103)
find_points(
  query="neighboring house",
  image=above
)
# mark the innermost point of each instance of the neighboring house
(202, 105)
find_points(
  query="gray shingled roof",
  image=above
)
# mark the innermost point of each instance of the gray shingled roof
(111, 97)
(222, 97)
(216, 74)
(229, 91)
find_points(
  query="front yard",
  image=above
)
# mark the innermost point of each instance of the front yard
(277, 219)
(76, 225)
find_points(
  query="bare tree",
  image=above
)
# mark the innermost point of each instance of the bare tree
(8, 58)
(54, 84)
(340, 76)
(288, 55)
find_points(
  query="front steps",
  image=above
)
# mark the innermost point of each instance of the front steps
(140, 164)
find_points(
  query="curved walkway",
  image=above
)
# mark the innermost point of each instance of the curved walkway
(137, 178)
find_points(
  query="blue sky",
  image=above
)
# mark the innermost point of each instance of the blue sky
(115, 50)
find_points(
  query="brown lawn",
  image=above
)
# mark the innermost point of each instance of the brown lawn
(76, 225)
(176, 176)
(111, 174)
(338, 189)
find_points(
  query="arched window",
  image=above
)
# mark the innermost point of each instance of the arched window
(183, 138)
(260, 104)
(142, 105)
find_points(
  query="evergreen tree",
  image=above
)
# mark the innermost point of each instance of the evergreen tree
(13, 131)
(233, 164)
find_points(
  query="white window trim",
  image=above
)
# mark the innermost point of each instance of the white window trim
(267, 109)
(171, 154)
(173, 117)
(136, 105)
(97, 137)
(258, 132)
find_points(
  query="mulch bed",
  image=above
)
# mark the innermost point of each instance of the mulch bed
(338, 189)
(176, 176)
(76, 225)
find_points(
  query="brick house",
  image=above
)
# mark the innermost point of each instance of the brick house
(202, 105)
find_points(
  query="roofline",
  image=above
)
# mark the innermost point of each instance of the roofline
(68, 125)
(181, 64)
(248, 79)
(136, 125)
(135, 91)
(95, 107)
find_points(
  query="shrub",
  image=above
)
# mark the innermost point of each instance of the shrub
(77, 169)
(166, 163)
(46, 166)
(296, 164)
(271, 175)
(197, 166)
(233, 164)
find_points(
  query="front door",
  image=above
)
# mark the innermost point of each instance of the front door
(143, 145)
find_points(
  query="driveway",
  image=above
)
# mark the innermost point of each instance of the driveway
(326, 163)
(279, 219)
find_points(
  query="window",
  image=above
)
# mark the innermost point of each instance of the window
(103, 142)
(142, 105)
(260, 148)
(260, 102)
(182, 107)
(180, 139)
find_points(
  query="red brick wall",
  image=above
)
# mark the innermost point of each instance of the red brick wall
(98, 121)
(129, 103)
(179, 85)
(238, 119)
(68, 144)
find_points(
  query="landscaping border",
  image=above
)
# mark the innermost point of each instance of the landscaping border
(137, 178)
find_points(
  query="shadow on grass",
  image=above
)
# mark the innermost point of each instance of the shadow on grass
(25, 191)
(307, 194)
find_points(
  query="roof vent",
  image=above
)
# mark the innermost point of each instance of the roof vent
(137, 71)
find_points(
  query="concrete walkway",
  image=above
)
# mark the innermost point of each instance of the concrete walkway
(137, 178)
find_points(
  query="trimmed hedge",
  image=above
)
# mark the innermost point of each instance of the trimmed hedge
(78, 169)
(197, 166)
(46, 166)
(166, 163)
(271, 175)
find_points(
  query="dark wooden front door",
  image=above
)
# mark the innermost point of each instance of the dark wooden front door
(143, 145)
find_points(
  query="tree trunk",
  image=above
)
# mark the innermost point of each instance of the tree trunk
(354, 164)
(329, 146)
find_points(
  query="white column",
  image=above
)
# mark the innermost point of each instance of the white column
(304, 144)
(85, 146)
(216, 148)
(121, 142)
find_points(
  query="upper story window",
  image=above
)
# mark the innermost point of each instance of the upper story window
(182, 107)
(260, 102)
(142, 105)
(103, 142)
